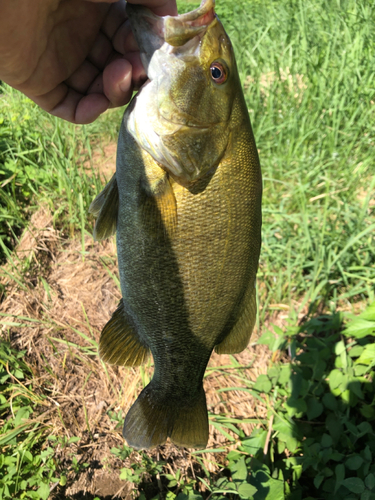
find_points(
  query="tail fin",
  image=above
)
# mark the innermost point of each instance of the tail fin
(150, 422)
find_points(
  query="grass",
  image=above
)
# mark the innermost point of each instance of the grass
(24, 467)
(309, 91)
(41, 160)
(308, 71)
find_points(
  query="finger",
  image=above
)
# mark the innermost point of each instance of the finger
(77, 108)
(96, 86)
(114, 19)
(124, 41)
(117, 82)
(135, 60)
(159, 7)
(70, 105)
(138, 72)
(100, 51)
(83, 77)
(89, 107)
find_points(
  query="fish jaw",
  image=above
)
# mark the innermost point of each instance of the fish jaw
(148, 30)
(178, 117)
(161, 38)
(151, 31)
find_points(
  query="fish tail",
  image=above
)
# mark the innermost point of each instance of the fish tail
(152, 420)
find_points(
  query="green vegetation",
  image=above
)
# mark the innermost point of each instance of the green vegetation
(26, 470)
(40, 159)
(310, 85)
(321, 411)
(308, 69)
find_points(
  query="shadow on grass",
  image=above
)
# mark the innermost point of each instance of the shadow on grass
(322, 412)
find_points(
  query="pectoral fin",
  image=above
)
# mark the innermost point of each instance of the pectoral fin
(239, 336)
(119, 342)
(105, 208)
(159, 207)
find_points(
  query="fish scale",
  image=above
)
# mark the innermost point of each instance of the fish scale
(186, 205)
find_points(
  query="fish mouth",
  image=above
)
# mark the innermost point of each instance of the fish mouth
(179, 35)
(159, 124)
(152, 31)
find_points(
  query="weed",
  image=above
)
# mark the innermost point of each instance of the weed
(320, 441)
(26, 467)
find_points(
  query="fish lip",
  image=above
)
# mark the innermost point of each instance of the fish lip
(179, 29)
(205, 7)
(201, 16)
(148, 31)
(151, 31)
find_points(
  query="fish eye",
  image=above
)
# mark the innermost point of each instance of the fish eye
(218, 72)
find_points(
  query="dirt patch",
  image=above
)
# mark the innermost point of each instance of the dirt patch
(103, 160)
(294, 84)
(367, 197)
(33, 254)
(102, 483)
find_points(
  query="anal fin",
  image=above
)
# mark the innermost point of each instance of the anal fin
(119, 342)
(239, 336)
(105, 207)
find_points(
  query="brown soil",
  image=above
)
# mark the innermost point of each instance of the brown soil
(104, 160)
(71, 292)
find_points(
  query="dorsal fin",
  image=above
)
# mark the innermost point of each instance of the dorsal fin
(119, 342)
(105, 208)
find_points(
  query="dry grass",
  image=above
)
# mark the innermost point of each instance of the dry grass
(294, 84)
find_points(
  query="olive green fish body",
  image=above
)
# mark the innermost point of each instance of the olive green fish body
(188, 238)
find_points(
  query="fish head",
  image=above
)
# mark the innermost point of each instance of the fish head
(181, 116)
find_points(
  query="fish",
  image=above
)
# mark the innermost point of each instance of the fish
(185, 204)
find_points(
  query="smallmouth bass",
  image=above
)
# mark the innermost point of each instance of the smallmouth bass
(186, 204)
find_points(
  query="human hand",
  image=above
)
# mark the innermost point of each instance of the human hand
(74, 58)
